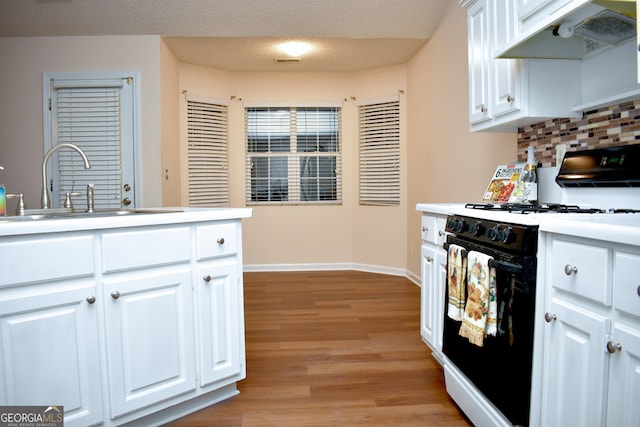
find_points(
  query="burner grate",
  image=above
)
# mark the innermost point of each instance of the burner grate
(535, 208)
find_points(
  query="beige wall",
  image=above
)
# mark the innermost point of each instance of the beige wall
(23, 60)
(170, 172)
(446, 162)
(442, 160)
(307, 236)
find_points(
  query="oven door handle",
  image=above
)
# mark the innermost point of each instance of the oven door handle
(509, 267)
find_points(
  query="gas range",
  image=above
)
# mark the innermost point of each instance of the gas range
(599, 187)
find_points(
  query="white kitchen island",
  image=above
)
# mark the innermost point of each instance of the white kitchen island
(125, 318)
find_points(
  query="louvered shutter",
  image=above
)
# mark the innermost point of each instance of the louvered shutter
(89, 117)
(207, 153)
(380, 154)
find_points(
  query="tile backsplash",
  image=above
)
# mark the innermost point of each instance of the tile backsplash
(605, 127)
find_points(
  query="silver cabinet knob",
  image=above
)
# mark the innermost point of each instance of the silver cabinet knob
(207, 278)
(425, 229)
(548, 317)
(483, 108)
(440, 233)
(613, 347)
(220, 241)
(510, 99)
(638, 290)
(569, 270)
(91, 299)
(126, 201)
(115, 294)
(429, 259)
(127, 187)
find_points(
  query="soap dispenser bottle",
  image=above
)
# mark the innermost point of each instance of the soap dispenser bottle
(3, 198)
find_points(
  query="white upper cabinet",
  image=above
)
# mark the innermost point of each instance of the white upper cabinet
(505, 94)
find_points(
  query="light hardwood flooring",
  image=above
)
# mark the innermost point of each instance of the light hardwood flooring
(336, 348)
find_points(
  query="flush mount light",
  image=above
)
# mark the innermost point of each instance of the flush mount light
(295, 48)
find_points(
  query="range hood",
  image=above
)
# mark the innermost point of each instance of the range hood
(574, 33)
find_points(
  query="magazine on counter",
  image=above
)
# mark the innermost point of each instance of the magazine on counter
(504, 184)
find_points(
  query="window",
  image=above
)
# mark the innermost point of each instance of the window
(96, 112)
(293, 155)
(380, 154)
(207, 152)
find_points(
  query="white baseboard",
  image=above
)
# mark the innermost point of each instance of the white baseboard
(253, 268)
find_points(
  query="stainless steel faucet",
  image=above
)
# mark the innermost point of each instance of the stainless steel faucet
(44, 199)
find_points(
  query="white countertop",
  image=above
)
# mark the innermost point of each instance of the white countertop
(438, 208)
(14, 227)
(617, 228)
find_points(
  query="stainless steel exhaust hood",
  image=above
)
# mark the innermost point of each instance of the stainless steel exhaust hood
(576, 33)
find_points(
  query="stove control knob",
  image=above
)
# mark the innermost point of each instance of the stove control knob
(476, 228)
(505, 235)
(456, 225)
(494, 232)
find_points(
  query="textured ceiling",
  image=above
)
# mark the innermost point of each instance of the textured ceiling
(240, 35)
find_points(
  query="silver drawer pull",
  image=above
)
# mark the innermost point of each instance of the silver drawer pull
(548, 317)
(115, 294)
(425, 229)
(440, 233)
(569, 270)
(638, 290)
(91, 299)
(207, 278)
(220, 241)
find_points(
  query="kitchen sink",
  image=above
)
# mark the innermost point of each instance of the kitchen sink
(47, 214)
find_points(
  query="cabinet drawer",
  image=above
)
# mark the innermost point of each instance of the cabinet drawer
(582, 269)
(216, 240)
(432, 229)
(146, 248)
(33, 260)
(626, 283)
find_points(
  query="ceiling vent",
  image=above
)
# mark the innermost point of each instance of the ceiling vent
(286, 60)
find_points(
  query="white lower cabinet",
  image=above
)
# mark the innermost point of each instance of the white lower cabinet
(149, 337)
(50, 349)
(591, 361)
(145, 325)
(432, 283)
(220, 337)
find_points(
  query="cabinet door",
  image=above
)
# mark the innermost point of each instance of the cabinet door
(220, 337)
(506, 93)
(438, 306)
(427, 294)
(576, 367)
(150, 347)
(50, 352)
(479, 63)
(624, 378)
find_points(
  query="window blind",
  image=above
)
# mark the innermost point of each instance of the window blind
(380, 154)
(89, 117)
(293, 155)
(208, 154)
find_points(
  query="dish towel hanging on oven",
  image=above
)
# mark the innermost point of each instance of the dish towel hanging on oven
(480, 312)
(456, 281)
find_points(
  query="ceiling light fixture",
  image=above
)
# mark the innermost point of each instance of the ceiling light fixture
(294, 48)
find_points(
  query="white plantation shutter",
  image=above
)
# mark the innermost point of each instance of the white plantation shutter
(89, 117)
(380, 154)
(207, 153)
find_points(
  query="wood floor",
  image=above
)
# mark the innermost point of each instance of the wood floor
(334, 349)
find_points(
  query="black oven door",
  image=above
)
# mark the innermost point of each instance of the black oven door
(501, 368)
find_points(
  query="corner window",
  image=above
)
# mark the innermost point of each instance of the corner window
(293, 155)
